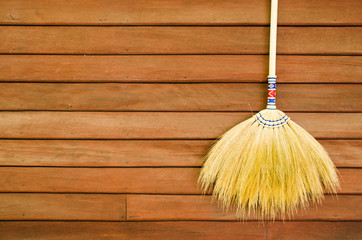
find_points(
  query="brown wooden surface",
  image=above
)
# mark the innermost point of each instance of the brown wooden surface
(180, 230)
(179, 68)
(102, 127)
(178, 40)
(127, 12)
(125, 180)
(177, 97)
(159, 125)
(134, 230)
(40, 206)
(137, 153)
(183, 207)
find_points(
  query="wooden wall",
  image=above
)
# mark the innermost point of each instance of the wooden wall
(107, 107)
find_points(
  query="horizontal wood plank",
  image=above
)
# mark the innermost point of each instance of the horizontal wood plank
(179, 68)
(180, 230)
(168, 12)
(135, 230)
(124, 153)
(18, 206)
(137, 153)
(178, 40)
(38, 206)
(315, 230)
(125, 180)
(181, 207)
(177, 97)
(159, 125)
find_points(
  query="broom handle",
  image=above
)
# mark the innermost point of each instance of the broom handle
(272, 55)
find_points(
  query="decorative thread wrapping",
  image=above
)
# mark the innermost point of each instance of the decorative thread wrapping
(271, 93)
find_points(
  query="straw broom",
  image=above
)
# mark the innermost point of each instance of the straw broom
(268, 165)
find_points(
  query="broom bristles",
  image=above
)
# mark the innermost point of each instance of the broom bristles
(268, 166)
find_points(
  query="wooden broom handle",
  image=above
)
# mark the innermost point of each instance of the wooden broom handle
(272, 55)
(273, 37)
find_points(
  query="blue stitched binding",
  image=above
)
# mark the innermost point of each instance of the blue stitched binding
(271, 120)
(283, 120)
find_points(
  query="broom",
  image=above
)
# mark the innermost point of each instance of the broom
(268, 165)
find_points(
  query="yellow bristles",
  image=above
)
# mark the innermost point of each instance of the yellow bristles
(268, 171)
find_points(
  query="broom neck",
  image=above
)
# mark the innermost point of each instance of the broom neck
(272, 55)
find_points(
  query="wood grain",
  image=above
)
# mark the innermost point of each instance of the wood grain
(177, 97)
(178, 40)
(158, 125)
(315, 231)
(20, 206)
(41, 230)
(168, 12)
(179, 68)
(137, 153)
(181, 207)
(125, 180)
